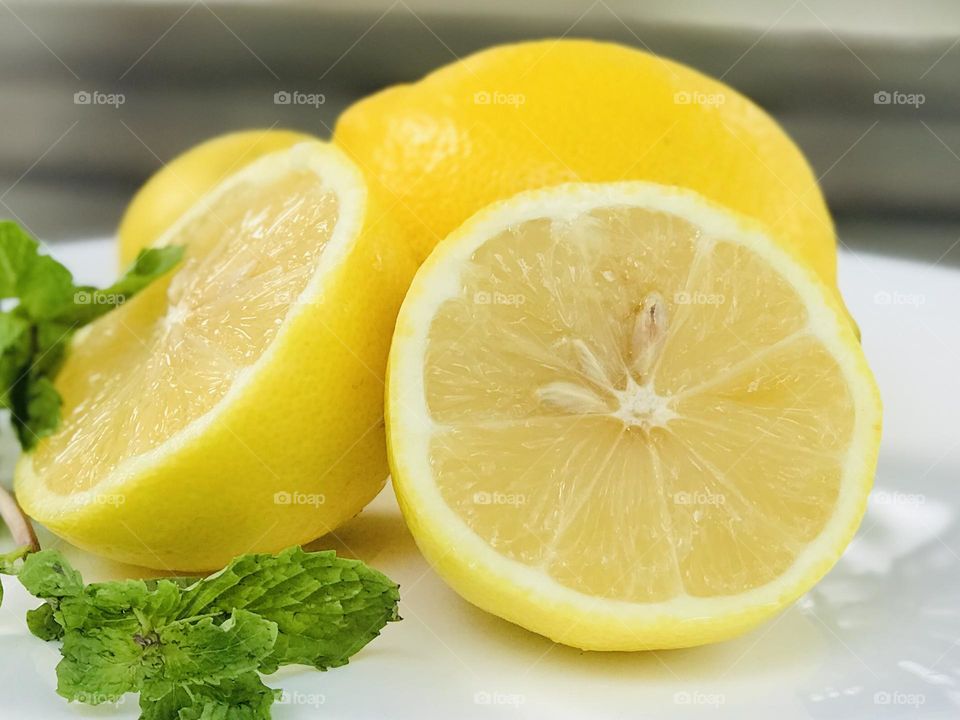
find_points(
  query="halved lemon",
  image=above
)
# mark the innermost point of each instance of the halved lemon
(236, 405)
(624, 418)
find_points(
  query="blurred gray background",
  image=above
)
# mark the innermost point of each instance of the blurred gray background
(191, 70)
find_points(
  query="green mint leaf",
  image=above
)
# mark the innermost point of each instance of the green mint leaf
(9, 562)
(110, 638)
(326, 607)
(121, 637)
(15, 354)
(242, 698)
(36, 410)
(210, 651)
(195, 650)
(42, 623)
(41, 284)
(48, 575)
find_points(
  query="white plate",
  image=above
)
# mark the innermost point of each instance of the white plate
(876, 639)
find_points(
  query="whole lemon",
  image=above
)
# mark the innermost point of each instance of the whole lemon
(173, 189)
(533, 114)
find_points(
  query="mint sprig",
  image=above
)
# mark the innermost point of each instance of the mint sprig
(196, 649)
(48, 309)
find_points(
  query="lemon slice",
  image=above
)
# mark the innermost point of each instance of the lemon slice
(623, 418)
(237, 405)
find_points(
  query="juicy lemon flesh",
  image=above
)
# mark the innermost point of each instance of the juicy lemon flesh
(148, 369)
(635, 410)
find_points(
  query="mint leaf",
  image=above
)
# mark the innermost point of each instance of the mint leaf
(15, 352)
(47, 574)
(244, 697)
(41, 284)
(9, 562)
(195, 650)
(35, 334)
(37, 410)
(42, 623)
(326, 607)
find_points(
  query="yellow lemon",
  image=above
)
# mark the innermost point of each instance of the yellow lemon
(237, 405)
(534, 114)
(626, 418)
(187, 178)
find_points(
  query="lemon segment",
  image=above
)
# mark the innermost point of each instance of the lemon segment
(237, 405)
(624, 418)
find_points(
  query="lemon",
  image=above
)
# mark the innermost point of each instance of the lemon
(189, 176)
(534, 114)
(236, 406)
(625, 418)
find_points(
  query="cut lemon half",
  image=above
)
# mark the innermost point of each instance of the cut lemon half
(624, 418)
(237, 404)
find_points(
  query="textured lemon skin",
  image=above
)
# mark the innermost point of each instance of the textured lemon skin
(173, 189)
(485, 584)
(310, 421)
(534, 114)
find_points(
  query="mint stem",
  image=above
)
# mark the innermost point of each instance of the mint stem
(19, 524)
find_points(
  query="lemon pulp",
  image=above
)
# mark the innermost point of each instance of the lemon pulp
(147, 370)
(624, 418)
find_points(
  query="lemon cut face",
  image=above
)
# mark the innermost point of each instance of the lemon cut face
(623, 418)
(237, 404)
(143, 376)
